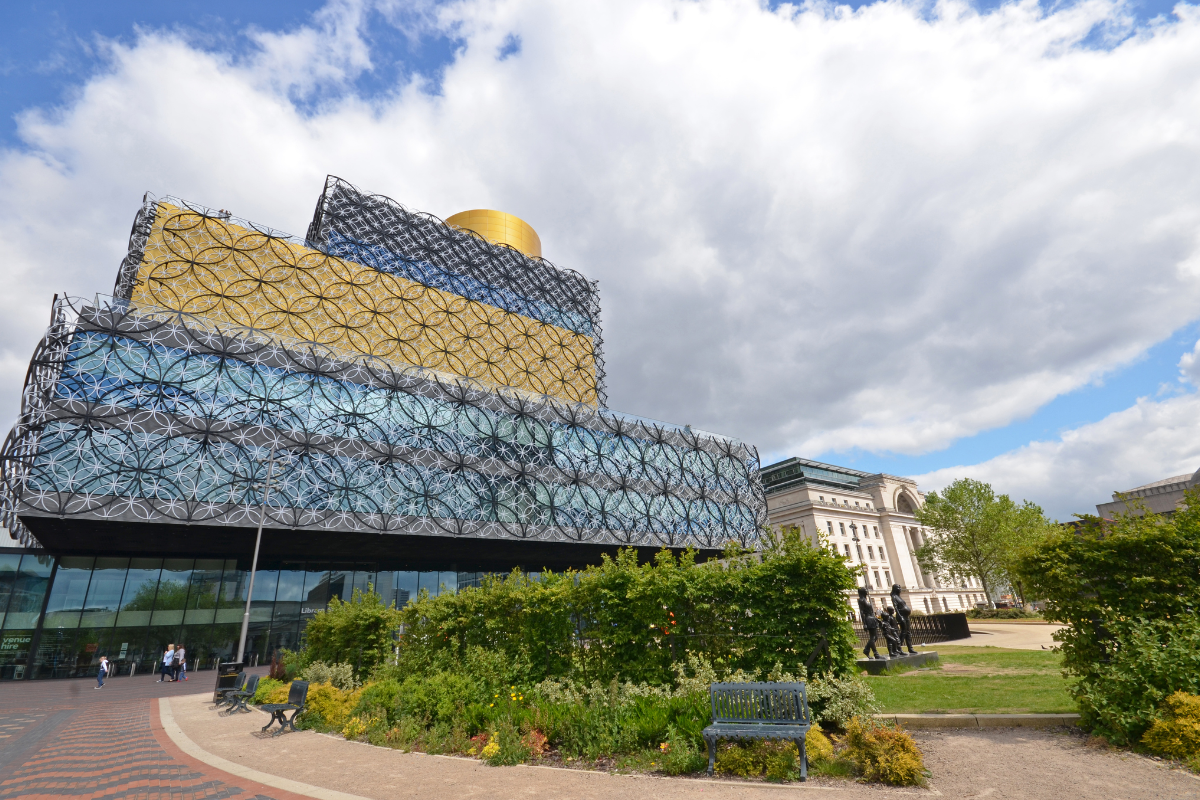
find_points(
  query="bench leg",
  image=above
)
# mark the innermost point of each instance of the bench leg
(275, 715)
(292, 722)
(803, 760)
(712, 753)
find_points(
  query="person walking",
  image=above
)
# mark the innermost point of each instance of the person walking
(165, 667)
(103, 673)
(175, 663)
(181, 654)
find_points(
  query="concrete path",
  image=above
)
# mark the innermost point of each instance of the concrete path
(997, 762)
(1013, 635)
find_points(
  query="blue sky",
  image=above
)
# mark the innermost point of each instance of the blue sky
(882, 239)
(1154, 374)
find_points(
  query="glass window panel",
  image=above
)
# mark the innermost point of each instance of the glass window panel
(385, 585)
(404, 588)
(171, 600)
(14, 654)
(341, 583)
(157, 639)
(316, 592)
(55, 657)
(206, 582)
(68, 594)
(137, 600)
(363, 581)
(9, 562)
(428, 581)
(202, 593)
(287, 600)
(448, 582)
(104, 593)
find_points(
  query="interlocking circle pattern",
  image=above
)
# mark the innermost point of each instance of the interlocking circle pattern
(159, 416)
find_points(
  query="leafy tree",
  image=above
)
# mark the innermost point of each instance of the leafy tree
(167, 594)
(1027, 527)
(975, 532)
(357, 632)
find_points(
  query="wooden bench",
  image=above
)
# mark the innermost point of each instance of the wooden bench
(297, 695)
(237, 700)
(758, 711)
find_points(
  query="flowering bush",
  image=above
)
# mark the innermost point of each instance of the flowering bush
(884, 753)
(1177, 734)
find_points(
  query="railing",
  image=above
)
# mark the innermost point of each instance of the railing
(929, 629)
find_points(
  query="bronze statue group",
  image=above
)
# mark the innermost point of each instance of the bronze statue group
(894, 622)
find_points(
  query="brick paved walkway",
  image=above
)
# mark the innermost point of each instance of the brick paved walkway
(63, 738)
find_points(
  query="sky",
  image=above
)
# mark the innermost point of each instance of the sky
(934, 239)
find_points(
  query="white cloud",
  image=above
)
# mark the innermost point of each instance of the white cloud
(1130, 448)
(813, 228)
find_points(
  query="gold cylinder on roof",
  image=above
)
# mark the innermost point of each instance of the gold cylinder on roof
(500, 228)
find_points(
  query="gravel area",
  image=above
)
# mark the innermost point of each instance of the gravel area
(998, 763)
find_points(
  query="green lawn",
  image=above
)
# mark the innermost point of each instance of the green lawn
(983, 680)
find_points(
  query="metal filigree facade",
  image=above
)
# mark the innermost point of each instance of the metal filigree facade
(198, 262)
(230, 341)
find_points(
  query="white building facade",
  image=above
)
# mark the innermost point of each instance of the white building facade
(868, 520)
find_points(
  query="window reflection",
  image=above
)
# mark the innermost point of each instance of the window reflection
(69, 592)
(104, 593)
(130, 608)
(141, 587)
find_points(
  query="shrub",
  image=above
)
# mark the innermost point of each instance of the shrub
(358, 632)
(1148, 662)
(1127, 589)
(1178, 734)
(273, 692)
(340, 676)
(884, 753)
(817, 745)
(355, 728)
(838, 699)
(505, 746)
(268, 687)
(774, 760)
(329, 706)
(379, 700)
(638, 621)
(680, 755)
(1000, 613)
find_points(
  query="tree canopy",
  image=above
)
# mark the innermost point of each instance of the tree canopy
(976, 532)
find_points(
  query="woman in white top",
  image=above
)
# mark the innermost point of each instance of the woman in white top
(167, 659)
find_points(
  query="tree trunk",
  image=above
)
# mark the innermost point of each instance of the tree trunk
(987, 592)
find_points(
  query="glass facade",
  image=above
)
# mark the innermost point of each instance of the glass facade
(130, 609)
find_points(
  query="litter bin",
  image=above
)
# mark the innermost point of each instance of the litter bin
(227, 675)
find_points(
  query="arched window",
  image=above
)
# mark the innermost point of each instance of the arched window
(903, 504)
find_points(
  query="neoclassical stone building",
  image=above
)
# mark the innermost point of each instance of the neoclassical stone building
(868, 520)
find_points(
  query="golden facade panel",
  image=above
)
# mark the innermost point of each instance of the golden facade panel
(208, 266)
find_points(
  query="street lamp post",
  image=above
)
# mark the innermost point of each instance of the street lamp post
(858, 549)
(262, 513)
